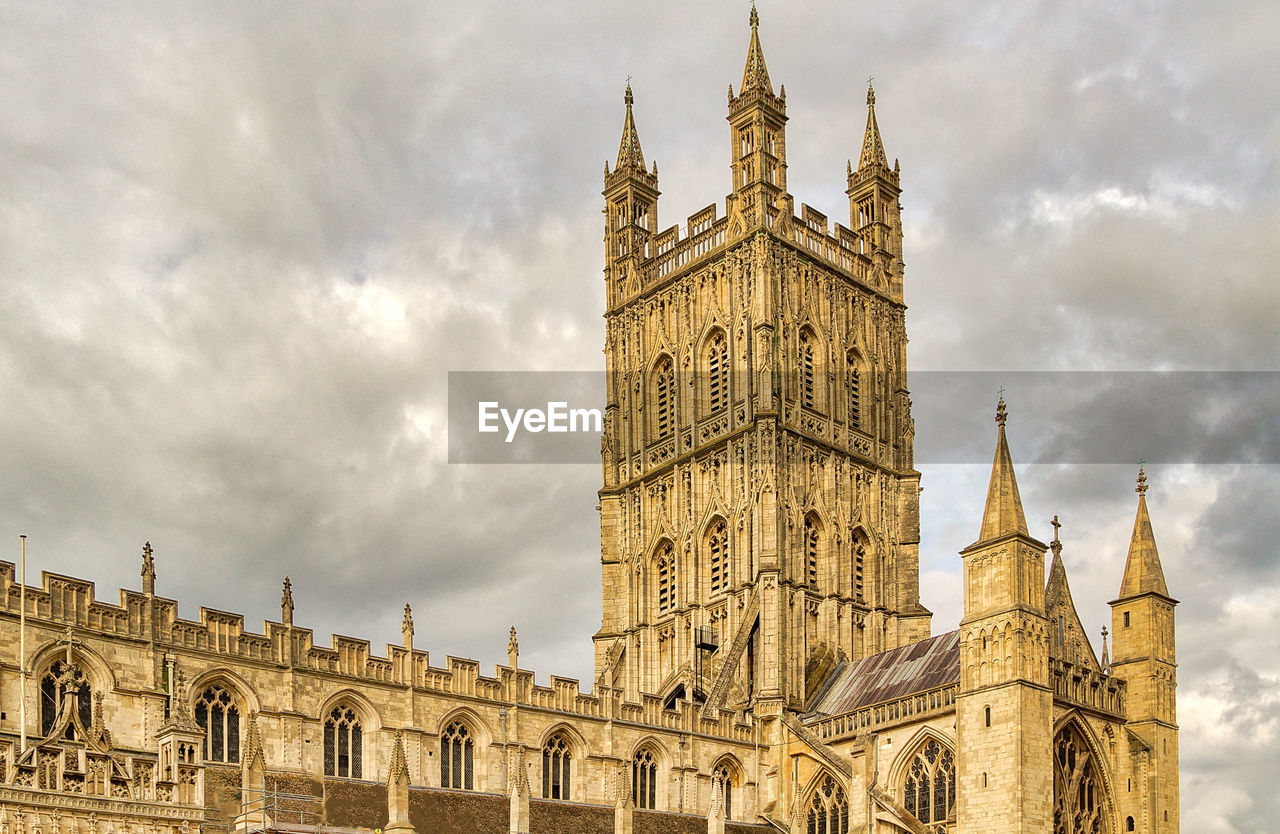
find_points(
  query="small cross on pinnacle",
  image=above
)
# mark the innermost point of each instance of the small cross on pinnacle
(69, 637)
(1142, 478)
(1056, 525)
(871, 92)
(1002, 413)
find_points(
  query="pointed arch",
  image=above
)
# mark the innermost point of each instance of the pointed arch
(462, 733)
(860, 555)
(348, 719)
(924, 776)
(729, 771)
(813, 549)
(715, 366)
(715, 547)
(812, 369)
(90, 671)
(826, 805)
(563, 752)
(648, 760)
(1082, 787)
(856, 385)
(665, 577)
(662, 394)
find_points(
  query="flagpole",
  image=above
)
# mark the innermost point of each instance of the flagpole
(22, 650)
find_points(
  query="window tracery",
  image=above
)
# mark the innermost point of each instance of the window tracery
(930, 789)
(557, 756)
(724, 773)
(457, 757)
(218, 714)
(644, 779)
(1079, 798)
(51, 695)
(343, 743)
(828, 809)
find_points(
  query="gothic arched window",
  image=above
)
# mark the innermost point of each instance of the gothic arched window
(812, 545)
(828, 809)
(343, 743)
(717, 371)
(855, 392)
(644, 779)
(457, 757)
(664, 395)
(664, 567)
(724, 773)
(718, 556)
(1079, 798)
(218, 714)
(51, 695)
(930, 789)
(556, 758)
(808, 382)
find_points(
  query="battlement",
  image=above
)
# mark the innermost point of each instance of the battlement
(64, 601)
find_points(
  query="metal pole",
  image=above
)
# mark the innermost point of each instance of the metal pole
(22, 650)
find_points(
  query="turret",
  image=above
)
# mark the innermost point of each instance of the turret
(1004, 707)
(631, 211)
(874, 210)
(1142, 626)
(758, 139)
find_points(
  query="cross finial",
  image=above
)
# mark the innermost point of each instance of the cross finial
(1142, 478)
(871, 92)
(1002, 414)
(1056, 525)
(755, 16)
(69, 637)
(628, 99)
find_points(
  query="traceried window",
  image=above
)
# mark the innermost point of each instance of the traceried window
(1079, 800)
(718, 371)
(644, 780)
(725, 775)
(665, 568)
(664, 385)
(218, 714)
(556, 762)
(457, 757)
(812, 542)
(718, 556)
(828, 809)
(343, 743)
(930, 789)
(807, 372)
(51, 695)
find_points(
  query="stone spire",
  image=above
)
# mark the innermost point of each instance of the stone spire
(398, 789)
(148, 570)
(1067, 639)
(873, 154)
(629, 153)
(755, 75)
(1142, 571)
(1003, 515)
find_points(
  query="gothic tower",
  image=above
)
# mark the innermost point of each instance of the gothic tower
(1145, 657)
(1004, 719)
(758, 473)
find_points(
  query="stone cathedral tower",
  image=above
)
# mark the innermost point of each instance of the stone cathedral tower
(758, 470)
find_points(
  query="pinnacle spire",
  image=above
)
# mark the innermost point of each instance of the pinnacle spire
(629, 153)
(755, 75)
(1142, 571)
(1003, 514)
(872, 147)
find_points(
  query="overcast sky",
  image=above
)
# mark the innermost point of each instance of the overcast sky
(242, 244)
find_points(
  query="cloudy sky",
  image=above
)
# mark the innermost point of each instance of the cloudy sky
(242, 244)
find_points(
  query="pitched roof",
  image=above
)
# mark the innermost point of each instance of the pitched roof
(894, 674)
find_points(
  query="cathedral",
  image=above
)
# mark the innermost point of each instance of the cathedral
(764, 662)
